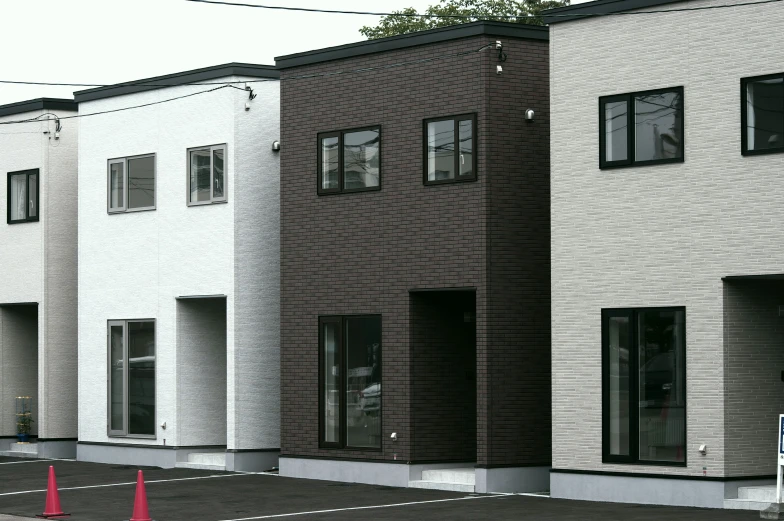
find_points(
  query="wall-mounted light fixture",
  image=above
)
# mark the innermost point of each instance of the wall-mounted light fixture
(276, 146)
(529, 115)
(499, 69)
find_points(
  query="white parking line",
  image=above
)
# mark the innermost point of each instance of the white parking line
(393, 505)
(25, 461)
(146, 482)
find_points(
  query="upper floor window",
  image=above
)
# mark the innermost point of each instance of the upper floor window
(641, 128)
(450, 149)
(207, 175)
(23, 196)
(762, 114)
(131, 184)
(349, 160)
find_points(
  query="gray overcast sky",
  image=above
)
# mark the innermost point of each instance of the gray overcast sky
(110, 41)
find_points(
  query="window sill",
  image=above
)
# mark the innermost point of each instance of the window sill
(642, 163)
(22, 221)
(451, 181)
(207, 203)
(132, 437)
(135, 210)
(354, 191)
(762, 152)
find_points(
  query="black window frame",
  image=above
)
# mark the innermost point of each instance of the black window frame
(634, 391)
(630, 161)
(744, 117)
(340, 134)
(474, 141)
(27, 174)
(342, 444)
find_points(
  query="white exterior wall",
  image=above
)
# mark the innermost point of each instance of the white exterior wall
(134, 265)
(38, 263)
(660, 235)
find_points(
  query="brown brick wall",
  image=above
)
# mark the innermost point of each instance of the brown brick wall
(362, 253)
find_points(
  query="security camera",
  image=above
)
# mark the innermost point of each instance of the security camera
(703, 449)
(499, 45)
(393, 436)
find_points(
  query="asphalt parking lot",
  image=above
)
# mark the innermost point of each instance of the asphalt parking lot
(96, 492)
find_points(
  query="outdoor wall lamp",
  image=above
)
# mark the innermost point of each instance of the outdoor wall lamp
(703, 449)
(393, 436)
(276, 146)
(529, 115)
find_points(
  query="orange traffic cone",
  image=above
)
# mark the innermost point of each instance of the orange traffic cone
(52, 508)
(140, 511)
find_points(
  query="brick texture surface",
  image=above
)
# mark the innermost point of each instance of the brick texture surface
(362, 253)
(660, 235)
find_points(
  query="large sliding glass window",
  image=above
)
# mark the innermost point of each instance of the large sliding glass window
(762, 114)
(450, 149)
(23, 196)
(349, 161)
(206, 175)
(644, 385)
(641, 128)
(131, 378)
(350, 381)
(131, 184)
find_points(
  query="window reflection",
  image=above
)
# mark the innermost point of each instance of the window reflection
(329, 163)
(361, 159)
(363, 382)
(141, 378)
(765, 114)
(662, 394)
(657, 120)
(141, 182)
(616, 118)
(619, 385)
(440, 150)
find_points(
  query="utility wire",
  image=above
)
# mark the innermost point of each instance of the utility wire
(37, 119)
(232, 83)
(469, 17)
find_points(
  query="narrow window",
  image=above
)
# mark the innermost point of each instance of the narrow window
(762, 114)
(23, 196)
(450, 149)
(349, 161)
(131, 184)
(641, 128)
(131, 378)
(350, 382)
(206, 175)
(644, 385)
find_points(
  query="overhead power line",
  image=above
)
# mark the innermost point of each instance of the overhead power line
(142, 83)
(228, 85)
(38, 118)
(469, 17)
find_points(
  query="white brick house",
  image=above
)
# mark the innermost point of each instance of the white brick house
(668, 279)
(178, 270)
(38, 266)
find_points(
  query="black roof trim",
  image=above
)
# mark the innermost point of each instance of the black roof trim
(179, 78)
(599, 7)
(33, 105)
(453, 32)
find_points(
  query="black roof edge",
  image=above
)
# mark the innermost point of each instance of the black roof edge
(179, 78)
(598, 7)
(37, 104)
(442, 34)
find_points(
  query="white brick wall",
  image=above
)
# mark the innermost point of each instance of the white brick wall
(38, 263)
(134, 265)
(658, 235)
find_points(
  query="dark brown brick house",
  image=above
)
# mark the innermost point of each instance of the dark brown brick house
(415, 234)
